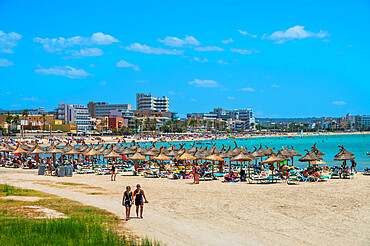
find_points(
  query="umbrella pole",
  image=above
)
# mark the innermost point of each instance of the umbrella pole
(213, 174)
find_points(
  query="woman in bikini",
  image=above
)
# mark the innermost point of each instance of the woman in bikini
(127, 201)
(113, 176)
(139, 200)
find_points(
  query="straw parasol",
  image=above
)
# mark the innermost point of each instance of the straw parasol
(242, 157)
(112, 154)
(185, 157)
(72, 151)
(310, 156)
(137, 157)
(343, 155)
(192, 149)
(7, 148)
(268, 151)
(92, 152)
(271, 160)
(213, 158)
(19, 150)
(314, 149)
(36, 150)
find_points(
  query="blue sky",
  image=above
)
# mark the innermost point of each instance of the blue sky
(286, 59)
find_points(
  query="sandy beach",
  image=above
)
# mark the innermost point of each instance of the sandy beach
(336, 212)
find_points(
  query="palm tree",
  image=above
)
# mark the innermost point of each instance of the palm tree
(185, 124)
(147, 122)
(43, 117)
(9, 120)
(16, 120)
(252, 125)
(193, 123)
(25, 116)
(223, 125)
(137, 124)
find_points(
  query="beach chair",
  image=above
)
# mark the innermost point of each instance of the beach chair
(348, 175)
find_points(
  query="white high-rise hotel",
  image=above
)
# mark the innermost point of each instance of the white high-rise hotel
(147, 102)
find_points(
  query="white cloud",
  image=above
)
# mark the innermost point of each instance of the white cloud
(31, 99)
(123, 63)
(204, 83)
(171, 93)
(230, 40)
(244, 51)
(60, 44)
(249, 89)
(209, 48)
(178, 42)
(245, 33)
(103, 83)
(200, 59)
(8, 41)
(275, 86)
(5, 62)
(222, 62)
(231, 98)
(339, 103)
(65, 71)
(151, 50)
(86, 52)
(296, 32)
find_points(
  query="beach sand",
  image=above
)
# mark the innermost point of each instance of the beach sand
(336, 212)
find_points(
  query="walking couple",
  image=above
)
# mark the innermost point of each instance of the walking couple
(138, 196)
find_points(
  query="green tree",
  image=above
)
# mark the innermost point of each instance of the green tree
(9, 120)
(16, 121)
(193, 123)
(137, 124)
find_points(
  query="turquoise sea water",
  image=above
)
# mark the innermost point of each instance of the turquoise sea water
(358, 144)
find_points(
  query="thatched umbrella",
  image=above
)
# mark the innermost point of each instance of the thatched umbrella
(53, 150)
(293, 153)
(161, 157)
(271, 160)
(7, 148)
(185, 157)
(310, 156)
(242, 157)
(213, 158)
(137, 157)
(19, 150)
(314, 149)
(112, 154)
(192, 149)
(269, 151)
(344, 155)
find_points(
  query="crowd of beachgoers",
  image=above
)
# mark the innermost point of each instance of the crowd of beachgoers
(230, 164)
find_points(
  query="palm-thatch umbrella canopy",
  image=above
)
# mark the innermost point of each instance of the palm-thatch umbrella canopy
(344, 155)
(154, 149)
(269, 151)
(293, 152)
(20, 150)
(171, 152)
(200, 153)
(140, 149)
(343, 151)
(314, 149)
(272, 159)
(149, 152)
(161, 157)
(67, 147)
(185, 157)
(92, 152)
(310, 156)
(83, 147)
(280, 154)
(7, 148)
(36, 150)
(259, 152)
(213, 158)
(242, 157)
(172, 147)
(192, 149)
(128, 151)
(72, 151)
(98, 147)
(112, 154)
(137, 157)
